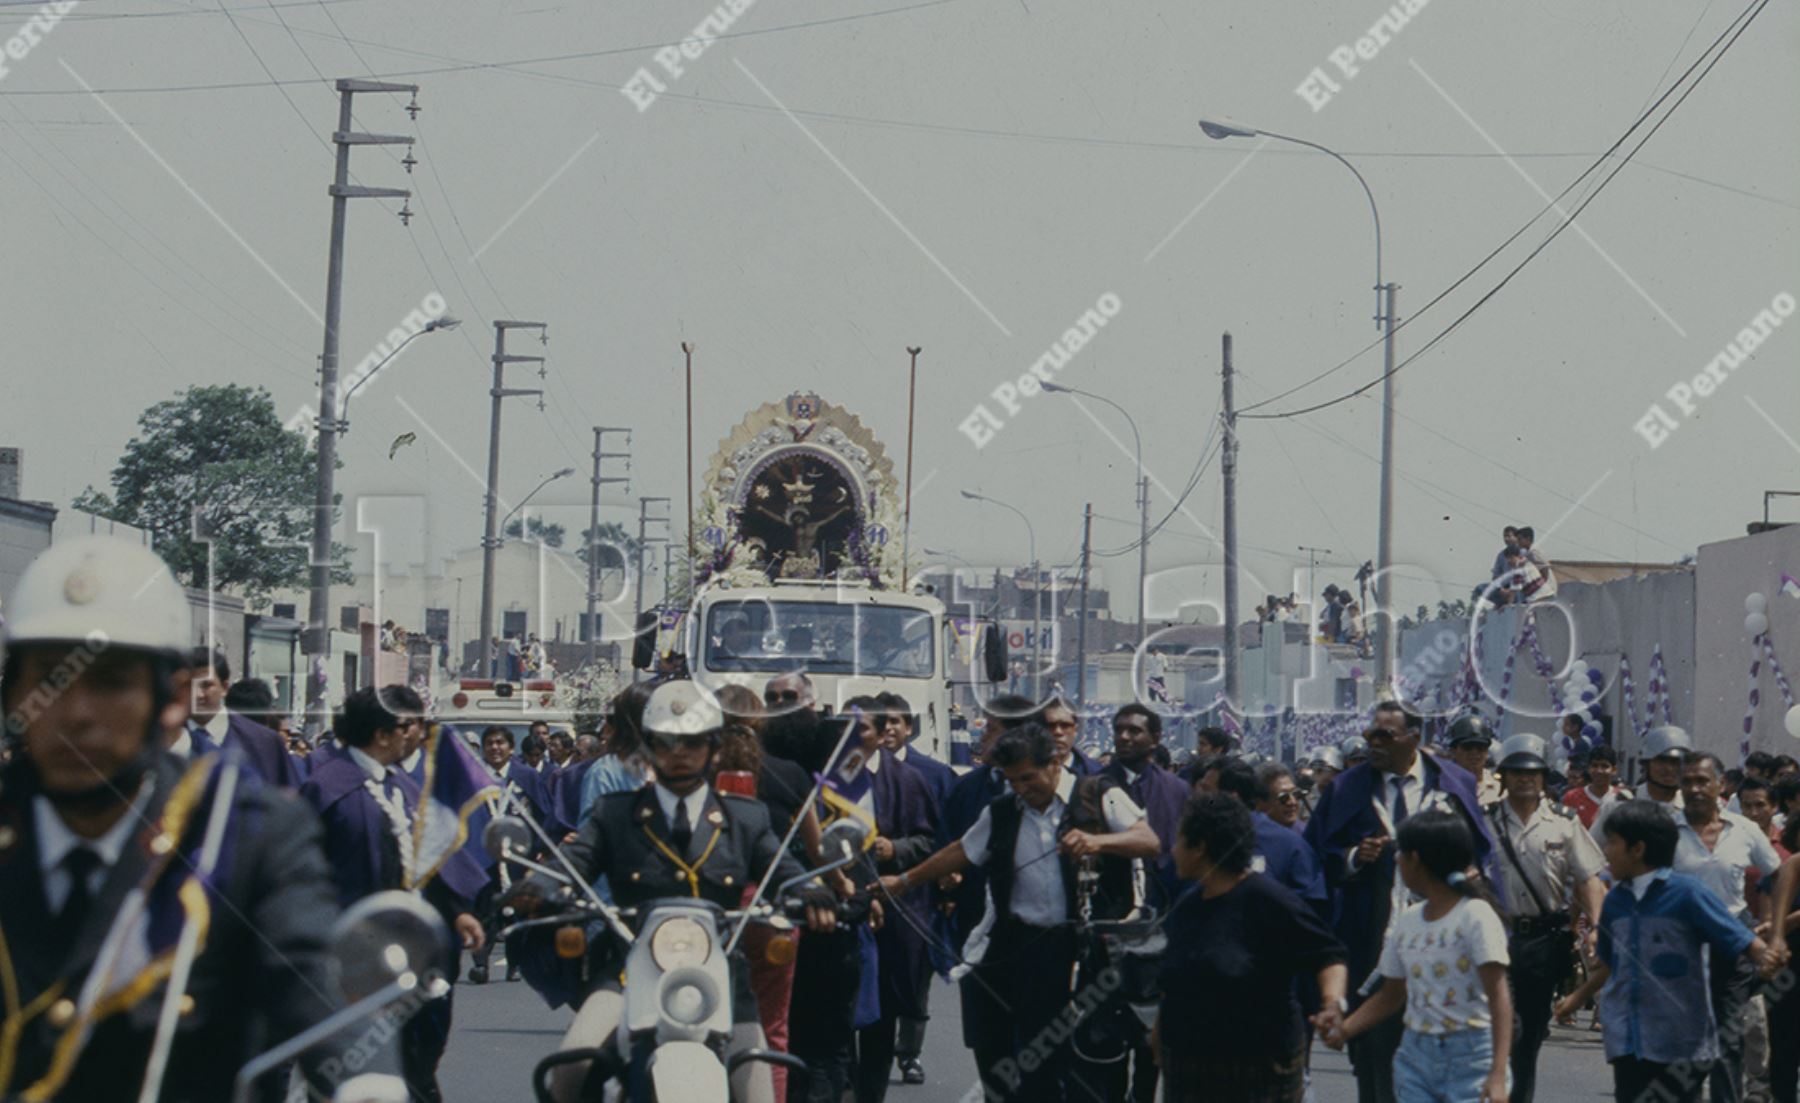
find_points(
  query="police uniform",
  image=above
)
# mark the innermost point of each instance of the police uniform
(629, 838)
(261, 975)
(1550, 854)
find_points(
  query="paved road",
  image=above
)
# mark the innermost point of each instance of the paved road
(502, 1030)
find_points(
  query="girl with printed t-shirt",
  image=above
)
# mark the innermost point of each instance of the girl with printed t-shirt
(1445, 965)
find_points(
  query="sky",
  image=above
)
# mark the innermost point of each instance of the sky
(827, 184)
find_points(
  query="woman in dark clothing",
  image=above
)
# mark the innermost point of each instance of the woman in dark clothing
(1229, 1028)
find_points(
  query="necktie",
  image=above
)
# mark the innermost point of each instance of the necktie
(683, 831)
(80, 865)
(1400, 800)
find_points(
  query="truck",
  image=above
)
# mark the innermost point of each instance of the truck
(851, 639)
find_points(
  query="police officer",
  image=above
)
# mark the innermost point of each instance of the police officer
(1469, 740)
(1548, 864)
(92, 807)
(1665, 750)
(678, 837)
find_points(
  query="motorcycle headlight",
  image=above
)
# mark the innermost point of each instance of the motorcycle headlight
(678, 942)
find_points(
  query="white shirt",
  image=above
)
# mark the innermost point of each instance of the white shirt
(1440, 961)
(867, 801)
(1038, 897)
(695, 801)
(55, 841)
(218, 726)
(368, 764)
(1598, 831)
(1741, 847)
(1384, 805)
(1642, 882)
(411, 760)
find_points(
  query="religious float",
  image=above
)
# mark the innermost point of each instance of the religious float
(800, 566)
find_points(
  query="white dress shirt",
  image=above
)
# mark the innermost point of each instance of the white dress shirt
(1038, 896)
(55, 841)
(1641, 883)
(695, 801)
(369, 766)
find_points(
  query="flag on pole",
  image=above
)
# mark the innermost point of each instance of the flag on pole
(454, 787)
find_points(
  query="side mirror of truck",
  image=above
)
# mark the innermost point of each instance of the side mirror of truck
(643, 645)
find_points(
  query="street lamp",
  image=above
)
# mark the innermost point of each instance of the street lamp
(444, 323)
(563, 474)
(1036, 596)
(1385, 319)
(1143, 487)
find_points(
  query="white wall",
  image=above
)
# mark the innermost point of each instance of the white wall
(1728, 571)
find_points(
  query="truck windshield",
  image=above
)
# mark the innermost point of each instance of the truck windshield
(819, 637)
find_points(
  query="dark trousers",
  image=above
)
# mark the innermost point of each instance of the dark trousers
(827, 973)
(1016, 1017)
(875, 1058)
(1651, 1080)
(1372, 1056)
(1733, 983)
(1131, 1079)
(911, 1041)
(1533, 993)
(423, 1038)
(1783, 995)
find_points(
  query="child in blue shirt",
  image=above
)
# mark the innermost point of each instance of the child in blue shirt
(1655, 928)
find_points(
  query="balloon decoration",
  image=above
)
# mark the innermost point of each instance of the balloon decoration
(1762, 649)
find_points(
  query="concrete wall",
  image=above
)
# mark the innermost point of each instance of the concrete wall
(24, 532)
(1728, 571)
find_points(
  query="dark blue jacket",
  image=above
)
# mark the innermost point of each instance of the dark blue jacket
(969, 797)
(1287, 859)
(1361, 899)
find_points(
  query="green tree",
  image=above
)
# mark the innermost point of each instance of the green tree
(548, 535)
(214, 466)
(615, 546)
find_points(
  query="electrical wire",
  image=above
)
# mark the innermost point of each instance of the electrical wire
(1742, 23)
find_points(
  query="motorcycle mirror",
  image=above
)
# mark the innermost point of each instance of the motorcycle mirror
(993, 653)
(506, 837)
(847, 835)
(383, 937)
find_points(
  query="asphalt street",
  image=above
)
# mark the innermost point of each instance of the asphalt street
(503, 1029)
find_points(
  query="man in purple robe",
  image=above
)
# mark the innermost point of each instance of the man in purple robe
(366, 804)
(211, 726)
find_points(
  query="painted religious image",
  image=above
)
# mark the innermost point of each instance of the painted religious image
(800, 489)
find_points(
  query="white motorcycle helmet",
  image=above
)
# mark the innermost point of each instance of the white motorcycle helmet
(682, 708)
(101, 592)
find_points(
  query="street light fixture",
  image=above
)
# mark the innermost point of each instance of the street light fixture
(1143, 488)
(1385, 319)
(563, 474)
(1036, 595)
(444, 323)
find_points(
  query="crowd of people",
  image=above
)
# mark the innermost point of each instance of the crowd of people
(1116, 926)
(1521, 575)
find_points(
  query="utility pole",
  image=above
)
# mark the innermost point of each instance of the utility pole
(644, 522)
(912, 399)
(1087, 543)
(668, 570)
(1143, 546)
(687, 349)
(1228, 466)
(317, 641)
(490, 540)
(1383, 622)
(593, 551)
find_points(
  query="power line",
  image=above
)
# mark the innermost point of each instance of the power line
(1753, 11)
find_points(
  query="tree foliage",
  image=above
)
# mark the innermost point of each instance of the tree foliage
(214, 468)
(550, 535)
(614, 545)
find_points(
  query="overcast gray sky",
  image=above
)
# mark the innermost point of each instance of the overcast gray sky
(965, 176)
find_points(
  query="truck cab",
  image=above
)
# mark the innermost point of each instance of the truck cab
(851, 640)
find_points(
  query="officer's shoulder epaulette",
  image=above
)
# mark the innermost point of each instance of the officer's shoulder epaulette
(1559, 808)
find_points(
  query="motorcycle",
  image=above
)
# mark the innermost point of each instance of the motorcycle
(671, 1045)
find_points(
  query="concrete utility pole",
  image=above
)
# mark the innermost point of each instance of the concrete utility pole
(644, 522)
(1228, 466)
(912, 401)
(490, 540)
(687, 350)
(316, 643)
(1383, 621)
(593, 551)
(1087, 544)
